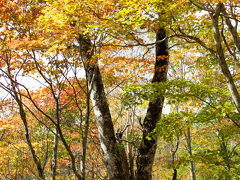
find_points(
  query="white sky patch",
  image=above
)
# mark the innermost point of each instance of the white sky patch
(166, 109)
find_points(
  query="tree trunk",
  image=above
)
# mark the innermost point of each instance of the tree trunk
(18, 98)
(55, 153)
(232, 29)
(174, 174)
(189, 149)
(68, 149)
(114, 154)
(221, 58)
(85, 135)
(147, 149)
(29, 143)
(115, 160)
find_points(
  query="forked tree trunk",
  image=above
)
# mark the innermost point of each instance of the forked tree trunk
(147, 148)
(114, 154)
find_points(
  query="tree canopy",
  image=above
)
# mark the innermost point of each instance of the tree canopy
(119, 89)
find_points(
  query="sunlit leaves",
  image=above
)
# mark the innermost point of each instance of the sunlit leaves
(176, 91)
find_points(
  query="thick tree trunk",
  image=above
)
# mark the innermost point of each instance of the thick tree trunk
(147, 149)
(114, 154)
(174, 174)
(115, 160)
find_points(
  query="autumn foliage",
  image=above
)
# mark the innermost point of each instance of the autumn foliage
(119, 89)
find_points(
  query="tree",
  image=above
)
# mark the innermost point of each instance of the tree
(93, 63)
(219, 19)
(115, 158)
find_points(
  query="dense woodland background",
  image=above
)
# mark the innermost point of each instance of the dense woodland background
(119, 89)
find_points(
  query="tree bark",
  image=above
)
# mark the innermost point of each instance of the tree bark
(189, 149)
(23, 116)
(85, 134)
(147, 149)
(232, 29)
(18, 98)
(174, 174)
(55, 153)
(72, 157)
(221, 58)
(114, 154)
(115, 160)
